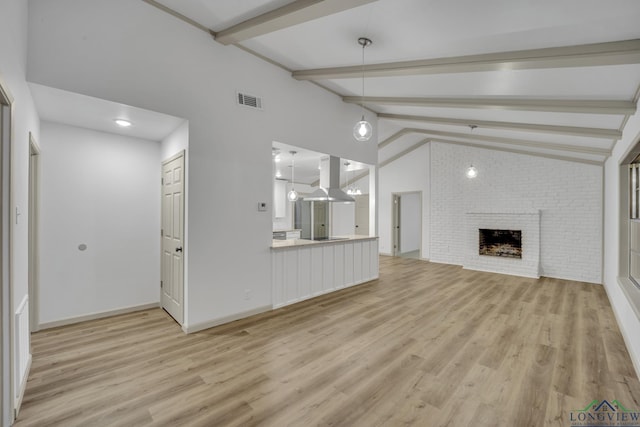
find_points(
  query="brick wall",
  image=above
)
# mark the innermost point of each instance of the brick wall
(568, 195)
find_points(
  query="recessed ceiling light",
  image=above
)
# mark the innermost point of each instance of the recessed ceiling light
(122, 122)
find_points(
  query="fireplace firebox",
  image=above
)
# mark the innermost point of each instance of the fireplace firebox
(501, 243)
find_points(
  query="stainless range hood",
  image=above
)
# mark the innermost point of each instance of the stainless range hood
(329, 190)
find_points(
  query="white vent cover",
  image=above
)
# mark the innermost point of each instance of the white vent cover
(249, 100)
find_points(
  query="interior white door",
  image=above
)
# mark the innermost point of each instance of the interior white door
(172, 233)
(362, 215)
(396, 225)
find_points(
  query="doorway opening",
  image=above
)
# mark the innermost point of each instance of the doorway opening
(407, 224)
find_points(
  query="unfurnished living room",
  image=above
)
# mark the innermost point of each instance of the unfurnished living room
(320, 213)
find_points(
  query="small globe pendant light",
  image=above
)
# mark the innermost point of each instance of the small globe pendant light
(292, 195)
(362, 131)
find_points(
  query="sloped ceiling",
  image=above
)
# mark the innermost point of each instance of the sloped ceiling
(548, 78)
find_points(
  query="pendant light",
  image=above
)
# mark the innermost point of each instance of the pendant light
(362, 131)
(472, 172)
(293, 194)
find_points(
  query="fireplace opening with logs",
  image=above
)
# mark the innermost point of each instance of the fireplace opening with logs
(502, 243)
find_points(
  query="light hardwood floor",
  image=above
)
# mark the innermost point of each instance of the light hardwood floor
(425, 345)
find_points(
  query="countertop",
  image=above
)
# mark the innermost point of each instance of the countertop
(304, 242)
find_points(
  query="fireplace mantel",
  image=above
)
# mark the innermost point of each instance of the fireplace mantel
(528, 221)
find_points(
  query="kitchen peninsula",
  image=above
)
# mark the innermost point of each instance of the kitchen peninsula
(303, 269)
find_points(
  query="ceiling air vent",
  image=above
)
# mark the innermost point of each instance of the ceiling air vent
(249, 101)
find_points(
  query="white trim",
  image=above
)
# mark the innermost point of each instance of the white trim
(225, 319)
(635, 358)
(101, 315)
(22, 388)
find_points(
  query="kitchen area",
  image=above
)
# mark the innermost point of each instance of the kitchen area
(324, 235)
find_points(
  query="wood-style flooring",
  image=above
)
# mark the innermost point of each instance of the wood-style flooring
(425, 345)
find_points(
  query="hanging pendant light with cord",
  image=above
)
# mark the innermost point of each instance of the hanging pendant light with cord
(362, 131)
(293, 194)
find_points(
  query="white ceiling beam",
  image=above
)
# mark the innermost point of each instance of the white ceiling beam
(600, 151)
(286, 16)
(393, 137)
(590, 55)
(547, 105)
(516, 151)
(523, 127)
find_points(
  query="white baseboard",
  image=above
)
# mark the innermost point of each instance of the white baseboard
(629, 332)
(95, 316)
(385, 253)
(225, 319)
(23, 387)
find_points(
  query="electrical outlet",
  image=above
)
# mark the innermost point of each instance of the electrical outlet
(247, 294)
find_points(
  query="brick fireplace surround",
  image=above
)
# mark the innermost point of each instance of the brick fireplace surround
(527, 221)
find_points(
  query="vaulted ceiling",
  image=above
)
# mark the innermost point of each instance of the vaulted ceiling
(551, 78)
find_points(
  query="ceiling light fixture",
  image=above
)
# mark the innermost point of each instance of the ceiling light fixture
(362, 131)
(278, 174)
(293, 194)
(123, 123)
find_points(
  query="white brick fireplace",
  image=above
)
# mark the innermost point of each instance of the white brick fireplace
(526, 221)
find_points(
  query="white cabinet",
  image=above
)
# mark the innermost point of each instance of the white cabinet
(305, 271)
(279, 198)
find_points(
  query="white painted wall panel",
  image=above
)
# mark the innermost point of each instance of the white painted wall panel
(357, 262)
(303, 272)
(101, 190)
(317, 270)
(328, 271)
(339, 267)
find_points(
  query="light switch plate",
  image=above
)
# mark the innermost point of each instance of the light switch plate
(262, 206)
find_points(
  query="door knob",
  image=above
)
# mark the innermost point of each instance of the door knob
(179, 249)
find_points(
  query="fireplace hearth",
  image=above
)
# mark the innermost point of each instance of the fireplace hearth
(500, 243)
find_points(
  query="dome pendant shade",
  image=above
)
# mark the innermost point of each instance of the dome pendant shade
(362, 130)
(472, 172)
(292, 195)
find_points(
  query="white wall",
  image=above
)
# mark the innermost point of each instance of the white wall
(343, 219)
(408, 173)
(569, 195)
(13, 54)
(628, 320)
(175, 142)
(101, 190)
(158, 62)
(410, 210)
